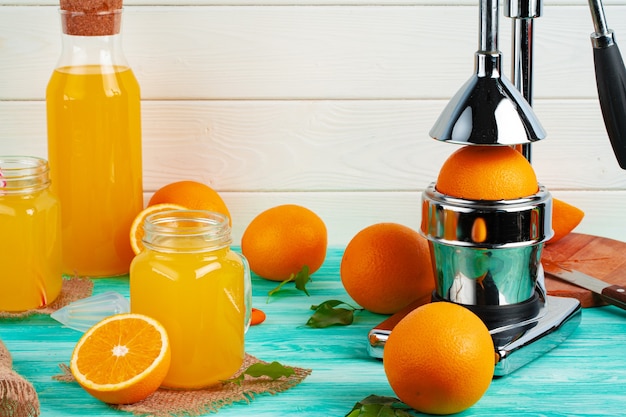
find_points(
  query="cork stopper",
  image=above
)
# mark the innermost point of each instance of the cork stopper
(91, 17)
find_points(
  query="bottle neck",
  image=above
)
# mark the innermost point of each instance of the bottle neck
(186, 231)
(21, 175)
(91, 39)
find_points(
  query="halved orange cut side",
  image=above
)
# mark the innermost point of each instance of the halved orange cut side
(122, 359)
(136, 229)
(565, 218)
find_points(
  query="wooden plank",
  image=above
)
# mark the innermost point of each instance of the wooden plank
(238, 142)
(295, 2)
(597, 256)
(327, 145)
(320, 52)
(346, 213)
(342, 371)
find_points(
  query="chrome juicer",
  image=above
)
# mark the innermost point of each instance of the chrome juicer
(487, 254)
(487, 257)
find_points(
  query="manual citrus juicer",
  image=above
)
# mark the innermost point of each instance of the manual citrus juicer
(497, 273)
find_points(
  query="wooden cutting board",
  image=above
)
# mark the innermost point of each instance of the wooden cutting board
(600, 257)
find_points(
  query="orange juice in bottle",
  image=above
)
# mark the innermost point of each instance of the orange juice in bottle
(188, 279)
(30, 221)
(94, 143)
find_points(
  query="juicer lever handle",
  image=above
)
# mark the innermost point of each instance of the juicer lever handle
(611, 82)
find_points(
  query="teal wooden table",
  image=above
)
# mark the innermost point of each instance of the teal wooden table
(584, 376)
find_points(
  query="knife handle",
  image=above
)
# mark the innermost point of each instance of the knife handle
(615, 295)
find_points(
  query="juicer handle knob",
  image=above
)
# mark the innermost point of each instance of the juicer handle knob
(611, 82)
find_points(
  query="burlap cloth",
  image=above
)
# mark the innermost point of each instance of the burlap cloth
(171, 403)
(18, 398)
(73, 289)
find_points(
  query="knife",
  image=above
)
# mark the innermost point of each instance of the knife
(612, 294)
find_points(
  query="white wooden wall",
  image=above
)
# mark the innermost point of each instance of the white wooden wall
(324, 103)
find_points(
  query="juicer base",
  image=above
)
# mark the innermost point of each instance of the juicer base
(556, 321)
(516, 344)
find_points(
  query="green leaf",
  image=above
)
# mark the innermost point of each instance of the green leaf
(332, 303)
(301, 279)
(377, 406)
(329, 314)
(279, 287)
(378, 399)
(272, 370)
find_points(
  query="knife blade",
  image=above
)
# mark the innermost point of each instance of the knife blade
(612, 294)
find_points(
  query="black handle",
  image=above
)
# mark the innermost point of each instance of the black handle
(611, 81)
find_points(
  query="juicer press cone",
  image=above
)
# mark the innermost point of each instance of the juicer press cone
(488, 109)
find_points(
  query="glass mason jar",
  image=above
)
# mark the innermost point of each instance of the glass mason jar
(94, 142)
(189, 280)
(30, 221)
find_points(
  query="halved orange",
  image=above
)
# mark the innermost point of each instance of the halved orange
(136, 229)
(122, 359)
(565, 218)
(480, 172)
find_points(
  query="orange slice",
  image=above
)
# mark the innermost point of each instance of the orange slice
(565, 218)
(122, 359)
(136, 229)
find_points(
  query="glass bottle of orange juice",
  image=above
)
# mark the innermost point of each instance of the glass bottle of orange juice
(30, 223)
(94, 140)
(189, 279)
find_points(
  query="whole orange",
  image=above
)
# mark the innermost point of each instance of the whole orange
(440, 358)
(386, 266)
(477, 172)
(192, 195)
(281, 240)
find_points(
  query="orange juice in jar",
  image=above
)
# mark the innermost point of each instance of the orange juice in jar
(30, 221)
(188, 279)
